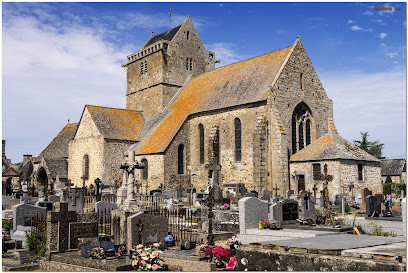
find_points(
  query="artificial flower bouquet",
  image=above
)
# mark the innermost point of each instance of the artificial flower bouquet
(233, 242)
(220, 256)
(97, 253)
(147, 258)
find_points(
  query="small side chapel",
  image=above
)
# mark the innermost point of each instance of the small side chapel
(266, 111)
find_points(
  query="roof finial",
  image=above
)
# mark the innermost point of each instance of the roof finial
(68, 121)
(188, 15)
(170, 17)
(298, 37)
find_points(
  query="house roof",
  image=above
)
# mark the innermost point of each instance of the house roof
(25, 170)
(332, 146)
(167, 35)
(115, 123)
(235, 84)
(58, 147)
(57, 165)
(10, 172)
(392, 166)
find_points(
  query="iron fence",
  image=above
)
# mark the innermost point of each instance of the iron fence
(39, 227)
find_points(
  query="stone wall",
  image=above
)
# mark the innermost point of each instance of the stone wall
(113, 155)
(286, 94)
(155, 171)
(343, 172)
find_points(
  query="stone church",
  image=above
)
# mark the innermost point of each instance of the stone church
(264, 111)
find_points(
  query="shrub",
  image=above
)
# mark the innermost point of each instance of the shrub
(7, 224)
(34, 244)
(346, 207)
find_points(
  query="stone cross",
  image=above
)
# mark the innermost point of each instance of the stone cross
(342, 194)
(276, 189)
(314, 190)
(74, 196)
(213, 167)
(58, 227)
(25, 199)
(210, 201)
(326, 178)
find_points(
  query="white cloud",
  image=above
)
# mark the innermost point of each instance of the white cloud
(350, 21)
(221, 4)
(384, 45)
(225, 53)
(382, 35)
(375, 103)
(50, 73)
(380, 21)
(387, 11)
(358, 28)
(369, 13)
(391, 54)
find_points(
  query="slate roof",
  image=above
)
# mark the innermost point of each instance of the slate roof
(58, 147)
(115, 123)
(25, 170)
(167, 35)
(235, 84)
(57, 165)
(332, 146)
(392, 167)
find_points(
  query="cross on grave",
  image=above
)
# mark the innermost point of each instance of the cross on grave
(210, 201)
(58, 227)
(342, 194)
(326, 178)
(74, 196)
(276, 189)
(314, 190)
(306, 198)
(294, 176)
(25, 199)
(98, 192)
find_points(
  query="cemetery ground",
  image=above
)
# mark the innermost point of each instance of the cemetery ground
(76, 232)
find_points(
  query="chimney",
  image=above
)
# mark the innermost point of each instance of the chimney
(26, 158)
(3, 147)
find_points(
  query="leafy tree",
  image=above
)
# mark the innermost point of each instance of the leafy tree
(372, 147)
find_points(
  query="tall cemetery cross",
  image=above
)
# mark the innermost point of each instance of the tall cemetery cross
(276, 189)
(98, 193)
(314, 190)
(326, 178)
(210, 202)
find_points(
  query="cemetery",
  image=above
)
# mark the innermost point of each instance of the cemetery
(82, 229)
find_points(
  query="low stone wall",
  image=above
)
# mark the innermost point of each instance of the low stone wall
(270, 260)
(56, 266)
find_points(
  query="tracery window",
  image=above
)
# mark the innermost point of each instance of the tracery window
(302, 122)
(201, 142)
(180, 159)
(308, 136)
(237, 127)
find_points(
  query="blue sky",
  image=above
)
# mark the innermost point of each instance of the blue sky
(57, 57)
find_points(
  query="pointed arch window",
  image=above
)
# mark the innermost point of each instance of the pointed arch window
(301, 144)
(145, 170)
(180, 159)
(238, 148)
(308, 137)
(86, 167)
(294, 146)
(201, 142)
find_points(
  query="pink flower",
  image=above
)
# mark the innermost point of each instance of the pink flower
(231, 263)
(155, 267)
(134, 263)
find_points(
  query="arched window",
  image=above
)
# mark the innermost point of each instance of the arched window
(301, 143)
(145, 170)
(237, 126)
(201, 141)
(308, 138)
(180, 161)
(86, 167)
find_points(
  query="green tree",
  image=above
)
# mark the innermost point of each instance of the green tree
(372, 147)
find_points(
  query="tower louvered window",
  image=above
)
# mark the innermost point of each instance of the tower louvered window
(145, 67)
(180, 159)
(189, 63)
(237, 126)
(201, 141)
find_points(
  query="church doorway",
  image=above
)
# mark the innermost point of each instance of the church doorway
(301, 183)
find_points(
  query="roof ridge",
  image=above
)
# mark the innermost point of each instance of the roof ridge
(86, 105)
(59, 133)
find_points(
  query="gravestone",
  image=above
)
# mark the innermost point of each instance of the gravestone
(251, 194)
(5, 201)
(289, 193)
(45, 204)
(24, 213)
(266, 195)
(102, 206)
(167, 194)
(251, 211)
(76, 200)
(289, 211)
(8, 213)
(242, 192)
(58, 227)
(276, 213)
(358, 198)
(15, 201)
(143, 227)
(364, 193)
(81, 230)
(306, 206)
(337, 199)
(54, 198)
(373, 205)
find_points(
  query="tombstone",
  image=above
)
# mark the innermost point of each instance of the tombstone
(242, 192)
(358, 198)
(251, 194)
(76, 200)
(276, 213)
(24, 213)
(5, 201)
(167, 194)
(45, 204)
(251, 211)
(58, 227)
(364, 193)
(14, 201)
(54, 198)
(337, 199)
(373, 205)
(289, 211)
(102, 206)
(8, 213)
(306, 208)
(266, 195)
(289, 193)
